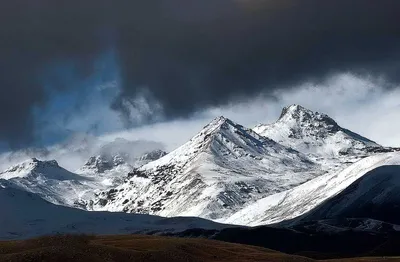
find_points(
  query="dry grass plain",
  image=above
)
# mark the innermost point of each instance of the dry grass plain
(140, 248)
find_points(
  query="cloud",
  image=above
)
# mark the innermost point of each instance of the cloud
(362, 105)
(186, 56)
(359, 104)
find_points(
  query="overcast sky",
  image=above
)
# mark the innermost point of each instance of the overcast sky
(166, 67)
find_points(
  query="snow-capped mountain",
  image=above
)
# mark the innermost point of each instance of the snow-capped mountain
(57, 185)
(151, 156)
(48, 180)
(315, 134)
(321, 190)
(25, 215)
(301, 165)
(135, 152)
(220, 170)
(60, 186)
(78, 148)
(102, 164)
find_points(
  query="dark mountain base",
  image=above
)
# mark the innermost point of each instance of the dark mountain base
(316, 245)
(157, 248)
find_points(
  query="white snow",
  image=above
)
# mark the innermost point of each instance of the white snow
(220, 170)
(60, 186)
(303, 198)
(313, 133)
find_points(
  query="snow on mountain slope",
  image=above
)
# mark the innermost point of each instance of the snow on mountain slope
(314, 133)
(33, 168)
(220, 170)
(301, 199)
(25, 215)
(113, 169)
(375, 195)
(60, 186)
(47, 179)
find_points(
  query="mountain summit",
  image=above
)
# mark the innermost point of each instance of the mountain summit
(214, 174)
(314, 133)
(37, 168)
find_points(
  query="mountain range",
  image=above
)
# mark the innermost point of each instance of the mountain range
(304, 171)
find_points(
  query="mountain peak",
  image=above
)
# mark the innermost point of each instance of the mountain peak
(31, 164)
(313, 132)
(219, 139)
(34, 167)
(218, 121)
(299, 117)
(102, 163)
(221, 125)
(294, 109)
(301, 114)
(153, 155)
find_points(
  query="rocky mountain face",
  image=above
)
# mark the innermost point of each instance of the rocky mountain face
(221, 169)
(153, 155)
(101, 164)
(315, 134)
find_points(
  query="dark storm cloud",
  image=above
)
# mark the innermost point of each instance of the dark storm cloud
(189, 54)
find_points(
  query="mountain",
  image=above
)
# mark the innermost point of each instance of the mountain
(57, 185)
(230, 174)
(375, 195)
(78, 148)
(48, 180)
(150, 156)
(100, 165)
(315, 134)
(131, 151)
(316, 194)
(26, 215)
(223, 168)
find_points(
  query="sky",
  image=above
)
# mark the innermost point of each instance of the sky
(359, 104)
(160, 69)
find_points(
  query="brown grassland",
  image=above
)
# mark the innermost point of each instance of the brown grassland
(139, 248)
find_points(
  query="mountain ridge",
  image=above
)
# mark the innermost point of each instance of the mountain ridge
(225, 166)
(314, 133)
(225, 172)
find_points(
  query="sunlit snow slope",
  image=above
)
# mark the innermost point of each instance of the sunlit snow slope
(220, 170)
(301, 199)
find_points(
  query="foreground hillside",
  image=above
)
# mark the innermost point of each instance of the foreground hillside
(143, 248)
(25, 215)
(134, 248)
